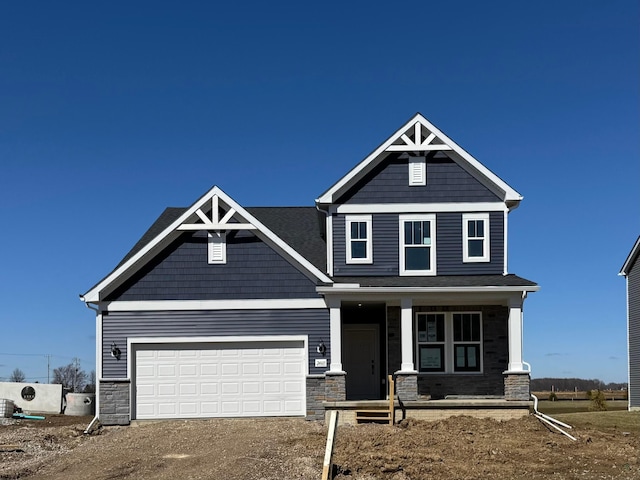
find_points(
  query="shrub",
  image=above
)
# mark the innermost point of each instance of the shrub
(553, 397)
(598, 401)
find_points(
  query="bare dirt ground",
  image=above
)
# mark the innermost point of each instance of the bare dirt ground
(457, 448)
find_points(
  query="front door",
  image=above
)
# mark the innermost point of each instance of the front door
(360, 356)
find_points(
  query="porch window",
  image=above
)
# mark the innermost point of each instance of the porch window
(449, 342)
(475, 228)
(417, 245)
(358, 239)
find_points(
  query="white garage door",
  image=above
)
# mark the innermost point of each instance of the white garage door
(239, 379)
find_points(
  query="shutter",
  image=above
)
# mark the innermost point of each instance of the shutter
(217, 247)
(417, 171)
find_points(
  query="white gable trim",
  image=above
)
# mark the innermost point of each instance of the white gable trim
(400, 141)
(628, 263)
(172, 231)
(421, 207)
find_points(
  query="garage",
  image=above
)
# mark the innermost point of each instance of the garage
(242, 378)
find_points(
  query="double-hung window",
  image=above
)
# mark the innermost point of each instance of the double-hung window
(449, 342)
(358, 239)
(475, 246)
(418, 244)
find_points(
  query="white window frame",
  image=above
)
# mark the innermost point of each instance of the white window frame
(466, 218)
(417, 171)
(215, 238)
(366, 219)
(449, 344)
(431, 218)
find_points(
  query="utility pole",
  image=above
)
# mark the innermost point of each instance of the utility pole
(48, 355)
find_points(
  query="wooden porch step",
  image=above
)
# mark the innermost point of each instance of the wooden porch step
(379, 415)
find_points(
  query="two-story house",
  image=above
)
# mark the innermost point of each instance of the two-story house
(400, 268)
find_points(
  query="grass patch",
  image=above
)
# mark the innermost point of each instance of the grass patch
(619, 421)
(577, 406)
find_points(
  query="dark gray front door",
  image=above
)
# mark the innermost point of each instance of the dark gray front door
(361, 361)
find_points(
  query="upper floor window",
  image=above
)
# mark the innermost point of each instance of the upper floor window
(217, 247)
(418, 244)
(475, 246)
(359, 242)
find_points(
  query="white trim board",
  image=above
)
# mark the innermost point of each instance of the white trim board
(466, 207)
(243, 304)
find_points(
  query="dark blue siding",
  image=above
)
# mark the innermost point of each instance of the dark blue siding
(119, 326)
(633, 279)
(446, 182)
(385, 247)
(449, 246)
(181, 272)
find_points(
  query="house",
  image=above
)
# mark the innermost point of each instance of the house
(631, 270)
(400, 268)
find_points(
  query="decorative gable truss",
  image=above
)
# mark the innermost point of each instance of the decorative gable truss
(216, 213)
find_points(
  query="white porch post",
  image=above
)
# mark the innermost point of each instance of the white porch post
(335, 326)
(515, 336)
(406, 335)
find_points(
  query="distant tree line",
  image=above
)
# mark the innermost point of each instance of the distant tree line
(572, 384)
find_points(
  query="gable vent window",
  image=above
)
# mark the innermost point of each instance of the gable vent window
(417, 171)
(475, 232)
(358, 239)
(217, 247)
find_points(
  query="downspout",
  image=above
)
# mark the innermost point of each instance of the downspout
(549, 420)
(98, 364)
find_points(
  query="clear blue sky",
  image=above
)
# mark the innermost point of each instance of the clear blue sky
(109, 113)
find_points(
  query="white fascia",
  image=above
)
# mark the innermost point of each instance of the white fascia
(487, 177)
(191, 305)
(168, 234)
(426, 290)
(467, 207)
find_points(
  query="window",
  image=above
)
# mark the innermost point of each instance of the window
(417, 171)
(417, 245)
(217, 247)
(449, 342)
(358, 239)
(475, 228)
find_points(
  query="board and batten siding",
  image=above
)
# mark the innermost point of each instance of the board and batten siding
(117, 327)
(633, 294)
(182, 272)
(449, 237)
(389, 183)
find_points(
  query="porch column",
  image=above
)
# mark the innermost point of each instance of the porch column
(335, 327)
(406, 335)
(515, 336)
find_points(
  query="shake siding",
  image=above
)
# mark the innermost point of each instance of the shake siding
(253, 270)
(118, 326)
(449, 237)
(633, 286)
(446, 182)
(385, 247)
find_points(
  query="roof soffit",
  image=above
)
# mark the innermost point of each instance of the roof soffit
(214, 211)
(418, 135)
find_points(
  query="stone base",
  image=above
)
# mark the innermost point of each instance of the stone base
(335, 386)
(115, 402)
(406, 386)
(315, 396)
(516, 386)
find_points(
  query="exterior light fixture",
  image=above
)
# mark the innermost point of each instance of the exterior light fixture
(321, 348)
(115, 351)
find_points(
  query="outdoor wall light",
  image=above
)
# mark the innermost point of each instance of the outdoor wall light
(115, 351)
(321, 348)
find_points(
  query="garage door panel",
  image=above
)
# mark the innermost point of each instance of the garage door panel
(220, 380)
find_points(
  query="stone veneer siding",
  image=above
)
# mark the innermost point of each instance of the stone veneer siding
(315, 397)
(335, 387)
(516, 386)
(495, 350)
(115, 402)
(406, 387)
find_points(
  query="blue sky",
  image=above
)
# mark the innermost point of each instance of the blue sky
(109, 113)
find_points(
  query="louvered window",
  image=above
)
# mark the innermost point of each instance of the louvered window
(417, 171)
(217, 247)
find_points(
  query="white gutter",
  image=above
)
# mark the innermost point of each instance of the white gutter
(353, 288)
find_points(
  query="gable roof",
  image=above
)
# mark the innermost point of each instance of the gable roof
(173, 220)
(631, 259)
(418, 134)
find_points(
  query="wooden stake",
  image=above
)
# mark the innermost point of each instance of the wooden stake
(327, 466)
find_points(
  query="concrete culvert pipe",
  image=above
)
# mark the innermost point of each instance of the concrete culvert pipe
(80, 404)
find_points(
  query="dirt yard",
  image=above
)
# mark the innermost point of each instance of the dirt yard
(457, 448)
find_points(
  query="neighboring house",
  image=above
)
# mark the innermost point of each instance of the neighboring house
(399, 268)
(631, 270)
